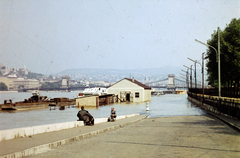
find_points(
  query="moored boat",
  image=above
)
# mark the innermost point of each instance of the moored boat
(95, 91)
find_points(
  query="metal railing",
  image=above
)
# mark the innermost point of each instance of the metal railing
(225, 92)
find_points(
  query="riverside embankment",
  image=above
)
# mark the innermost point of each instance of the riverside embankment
(225, 105)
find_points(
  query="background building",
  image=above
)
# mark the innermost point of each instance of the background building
(25, 83)
(130, 90)
(8, 82)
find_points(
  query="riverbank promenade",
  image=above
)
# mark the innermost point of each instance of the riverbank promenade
(137, 136)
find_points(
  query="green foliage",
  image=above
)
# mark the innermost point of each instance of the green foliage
(230, 55)
(3, 87)
(77, 85)
(32, 75)
(48, 85)
(21, 87)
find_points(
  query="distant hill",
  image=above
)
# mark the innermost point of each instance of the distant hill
(147, 71)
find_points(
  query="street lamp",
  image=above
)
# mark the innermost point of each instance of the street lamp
(181, 74)
(186, 78)
(190, 75)
(194, 72)
(202, 72)
(218, 60)
(183, 77)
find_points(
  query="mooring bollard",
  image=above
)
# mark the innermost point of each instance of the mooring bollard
(147, 106)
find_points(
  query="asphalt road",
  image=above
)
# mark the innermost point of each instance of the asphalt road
(184, 136)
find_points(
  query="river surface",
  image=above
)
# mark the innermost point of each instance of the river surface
(168, 105)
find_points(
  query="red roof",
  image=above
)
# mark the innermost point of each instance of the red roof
(134, 81)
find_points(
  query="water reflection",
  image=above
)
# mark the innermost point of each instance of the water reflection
(160, 106)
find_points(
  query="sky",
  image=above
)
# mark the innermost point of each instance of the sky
(49, 36)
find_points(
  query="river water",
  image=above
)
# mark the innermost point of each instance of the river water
(168, 105)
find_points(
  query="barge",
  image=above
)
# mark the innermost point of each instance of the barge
(36, 101)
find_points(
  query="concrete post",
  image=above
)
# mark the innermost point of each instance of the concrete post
(147, 106)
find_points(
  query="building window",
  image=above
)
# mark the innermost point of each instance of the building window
(137, 95)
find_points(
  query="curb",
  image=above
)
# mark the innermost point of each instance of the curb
(45, 147)
(226, 122)
(22, 132)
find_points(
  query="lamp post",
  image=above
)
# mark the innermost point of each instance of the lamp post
(190, 75)
(218, 60)
(203, 75)
(195, 75)
(202, 72)
(182, 75)
(187, 82)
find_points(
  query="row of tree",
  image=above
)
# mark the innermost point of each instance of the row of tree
(50, 85)
(230, 56)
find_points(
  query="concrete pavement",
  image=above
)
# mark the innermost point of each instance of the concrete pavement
(34, 144)
(183, 136)
(234, 123)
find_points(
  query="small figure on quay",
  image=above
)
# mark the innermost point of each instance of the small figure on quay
(85, 116)
(112, 116)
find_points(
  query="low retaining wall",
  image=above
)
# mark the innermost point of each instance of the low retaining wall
(29, 131)
(227, 106)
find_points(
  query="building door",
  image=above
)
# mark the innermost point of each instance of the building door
(128, 97)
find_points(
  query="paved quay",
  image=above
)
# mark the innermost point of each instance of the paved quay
(25, 146)
(183, 136)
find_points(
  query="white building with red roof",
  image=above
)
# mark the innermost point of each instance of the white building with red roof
(130, 90)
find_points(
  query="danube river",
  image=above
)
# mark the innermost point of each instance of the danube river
(168, 105)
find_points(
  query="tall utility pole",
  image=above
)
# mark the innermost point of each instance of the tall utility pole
(218, 60)
(191, 77)
(187, 76)
(203, 76)
(195, 75)
(187, 81)
(219, 69)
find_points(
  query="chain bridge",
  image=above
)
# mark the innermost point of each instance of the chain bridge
(171, 83)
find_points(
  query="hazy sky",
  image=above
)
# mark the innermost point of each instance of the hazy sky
(54, 35)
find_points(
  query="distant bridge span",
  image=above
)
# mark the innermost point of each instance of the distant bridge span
(171, 83)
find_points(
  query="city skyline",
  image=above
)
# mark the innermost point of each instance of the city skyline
(52, 36)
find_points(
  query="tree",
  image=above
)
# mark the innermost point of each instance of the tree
(48, 85)
(230, 56)
(3, 87)
(32, 75)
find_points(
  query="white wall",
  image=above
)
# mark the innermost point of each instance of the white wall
(128, 86)
(29, 131)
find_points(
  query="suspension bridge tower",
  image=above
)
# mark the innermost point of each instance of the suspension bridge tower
(171, 82)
